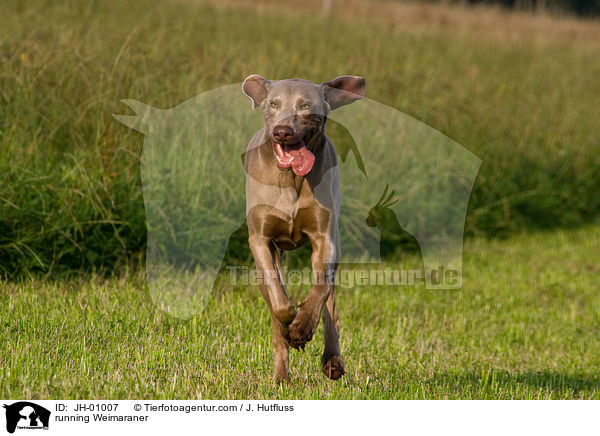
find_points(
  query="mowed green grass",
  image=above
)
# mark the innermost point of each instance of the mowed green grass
(525, 325)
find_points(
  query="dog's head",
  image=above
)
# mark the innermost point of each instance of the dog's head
(295, 113)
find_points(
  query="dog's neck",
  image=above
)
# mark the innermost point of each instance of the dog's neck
(317, 140)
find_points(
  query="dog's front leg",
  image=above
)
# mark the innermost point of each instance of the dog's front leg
(270, 283)
(282, 310)
(280, 352)
(303, 327)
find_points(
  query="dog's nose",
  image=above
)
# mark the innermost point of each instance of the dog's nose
(282, 133)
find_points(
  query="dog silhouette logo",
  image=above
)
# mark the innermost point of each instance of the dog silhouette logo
(404, 185)
(26, 415)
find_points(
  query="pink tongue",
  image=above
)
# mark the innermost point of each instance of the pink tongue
(303, 161)
(299, 158)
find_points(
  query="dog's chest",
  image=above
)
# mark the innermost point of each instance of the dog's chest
(287, 202)
(283, 211)
(292, 194)
(294, 213)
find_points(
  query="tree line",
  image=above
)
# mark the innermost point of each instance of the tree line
(578, 7)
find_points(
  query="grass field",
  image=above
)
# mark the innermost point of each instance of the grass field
(525, 325)
(519, 91)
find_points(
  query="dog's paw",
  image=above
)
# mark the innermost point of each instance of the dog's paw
(302, 329)
(334, 367)
(281, 377)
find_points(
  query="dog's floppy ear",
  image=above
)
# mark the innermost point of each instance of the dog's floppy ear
(343, 90)
(256, 88)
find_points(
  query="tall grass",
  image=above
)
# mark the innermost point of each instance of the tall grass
(70, 194)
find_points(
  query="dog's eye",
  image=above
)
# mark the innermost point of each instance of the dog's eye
(274, 104)
(305, 106)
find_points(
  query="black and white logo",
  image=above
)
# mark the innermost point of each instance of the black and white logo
(26, 415)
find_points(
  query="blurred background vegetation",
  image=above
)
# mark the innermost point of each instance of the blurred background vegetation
(519, 89)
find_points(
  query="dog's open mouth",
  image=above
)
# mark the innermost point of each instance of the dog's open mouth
(296, 156)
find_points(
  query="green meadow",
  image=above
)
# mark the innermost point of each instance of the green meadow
(524, 326)
(522, 94)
